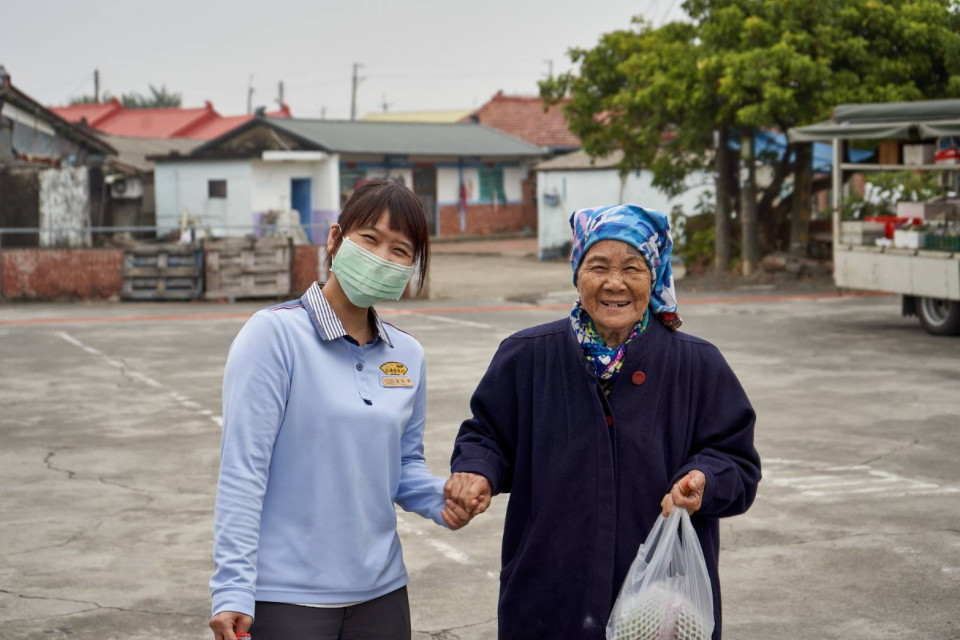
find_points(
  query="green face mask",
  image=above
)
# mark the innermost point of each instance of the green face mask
(367, 278)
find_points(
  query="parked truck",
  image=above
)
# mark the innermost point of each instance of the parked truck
(926, 273)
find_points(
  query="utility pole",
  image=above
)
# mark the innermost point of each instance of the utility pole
(386, 105)
(323, 112)
(96, 85)
(280, 94)
(250, 94)
(356, 82)
(550, 68)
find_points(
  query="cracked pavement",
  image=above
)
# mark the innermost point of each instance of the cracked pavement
(109, 446)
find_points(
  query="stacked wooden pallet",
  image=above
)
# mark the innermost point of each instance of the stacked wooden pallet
(247, 268)
(163, 272)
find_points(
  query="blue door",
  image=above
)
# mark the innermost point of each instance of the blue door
(300, 201)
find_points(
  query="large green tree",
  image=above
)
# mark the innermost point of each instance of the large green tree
(672, 98)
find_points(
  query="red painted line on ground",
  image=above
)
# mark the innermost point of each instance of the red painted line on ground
(436, 310)
(198, 316)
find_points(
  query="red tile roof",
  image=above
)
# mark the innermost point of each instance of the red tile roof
(114, 119)
(523, 117)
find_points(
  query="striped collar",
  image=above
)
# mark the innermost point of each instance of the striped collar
(325, 320)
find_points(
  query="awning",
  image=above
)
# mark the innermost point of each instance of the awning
(885, 121)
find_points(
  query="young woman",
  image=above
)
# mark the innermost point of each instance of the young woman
(323, 418)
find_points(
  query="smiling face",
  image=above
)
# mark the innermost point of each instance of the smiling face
(377, 238)
(614, 284)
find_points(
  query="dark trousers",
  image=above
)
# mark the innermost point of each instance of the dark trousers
(383, 618)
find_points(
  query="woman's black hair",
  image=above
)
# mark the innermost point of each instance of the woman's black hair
(368, 203)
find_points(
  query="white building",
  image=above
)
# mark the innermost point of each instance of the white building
(572, 181)
(468, 176)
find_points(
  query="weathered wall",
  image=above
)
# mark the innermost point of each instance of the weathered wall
(305, 268)
(64, 204)
(97, 273)
(54, 273)
(482, 219)
(19, 204)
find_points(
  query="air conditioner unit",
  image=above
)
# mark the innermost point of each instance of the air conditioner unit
(129, 187)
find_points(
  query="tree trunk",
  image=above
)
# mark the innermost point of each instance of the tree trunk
(721, 242)
(800, 216)
(748, 206)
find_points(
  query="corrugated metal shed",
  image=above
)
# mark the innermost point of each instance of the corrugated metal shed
(406, 138)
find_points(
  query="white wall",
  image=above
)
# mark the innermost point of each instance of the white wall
(599, 187)
(448, 184)
(183, 185)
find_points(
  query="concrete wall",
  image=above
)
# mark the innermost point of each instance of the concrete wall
(183, 185)
(581, 189)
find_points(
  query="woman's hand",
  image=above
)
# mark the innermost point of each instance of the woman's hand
(455, 516)
(469, 490)
(227, 624)
(687, 493)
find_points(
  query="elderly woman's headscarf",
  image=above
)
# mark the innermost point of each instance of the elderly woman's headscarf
(646, 230)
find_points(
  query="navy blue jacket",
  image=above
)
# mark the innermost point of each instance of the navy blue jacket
(584, 494)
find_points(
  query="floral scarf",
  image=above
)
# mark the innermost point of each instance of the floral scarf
(606, 361)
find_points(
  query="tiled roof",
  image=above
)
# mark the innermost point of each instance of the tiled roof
(112, 118)
(524, 118)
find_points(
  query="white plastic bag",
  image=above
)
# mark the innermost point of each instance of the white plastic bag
(666, 594)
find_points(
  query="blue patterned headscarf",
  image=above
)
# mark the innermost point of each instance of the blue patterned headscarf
(646, 230)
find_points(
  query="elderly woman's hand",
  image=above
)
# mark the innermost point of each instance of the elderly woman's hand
(470, 491)
(687, 493)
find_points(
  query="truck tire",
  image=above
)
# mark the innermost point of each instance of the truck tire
(939, 317)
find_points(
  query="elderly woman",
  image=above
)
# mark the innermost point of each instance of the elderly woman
(597, 423)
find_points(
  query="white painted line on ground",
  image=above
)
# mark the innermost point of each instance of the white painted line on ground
(466, 323)
(844, 481)
(449, 551)
(69, 338)
(183, 400)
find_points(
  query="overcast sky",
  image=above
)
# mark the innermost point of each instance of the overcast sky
(419, 54)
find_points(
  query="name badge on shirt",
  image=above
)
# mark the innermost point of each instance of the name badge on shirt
(393, 368)
(395, 382)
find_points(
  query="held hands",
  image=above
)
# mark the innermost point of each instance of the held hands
(468, 495)
(227, 624)
(687, 494)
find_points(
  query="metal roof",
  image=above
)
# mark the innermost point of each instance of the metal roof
(405, 138)
(885, 121)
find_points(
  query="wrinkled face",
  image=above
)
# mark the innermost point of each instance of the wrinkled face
(614, 284)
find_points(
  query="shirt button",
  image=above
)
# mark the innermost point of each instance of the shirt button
(359, 367)
(638, 378)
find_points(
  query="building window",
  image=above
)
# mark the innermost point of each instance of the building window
(491, 181)
(216, 188)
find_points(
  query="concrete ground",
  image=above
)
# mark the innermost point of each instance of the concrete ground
(109, 438)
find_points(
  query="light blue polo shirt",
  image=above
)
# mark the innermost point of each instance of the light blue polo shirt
(321, 436)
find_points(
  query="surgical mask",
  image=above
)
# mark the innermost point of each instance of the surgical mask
(367, 278)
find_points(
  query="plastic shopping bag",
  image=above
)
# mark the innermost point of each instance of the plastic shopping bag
(666, 594)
